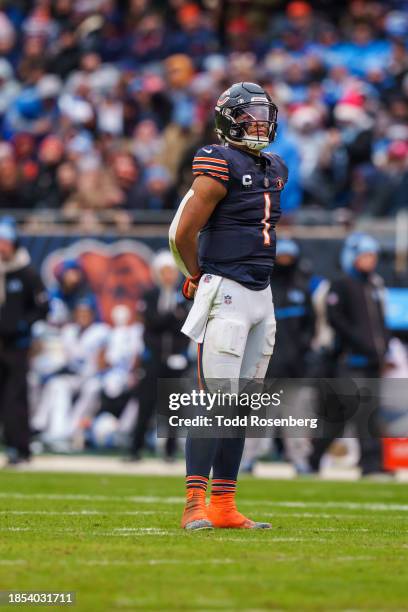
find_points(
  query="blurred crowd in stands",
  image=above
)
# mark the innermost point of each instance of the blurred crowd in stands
(103, 102)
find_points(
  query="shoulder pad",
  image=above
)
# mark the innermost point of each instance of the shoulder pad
(209, 160)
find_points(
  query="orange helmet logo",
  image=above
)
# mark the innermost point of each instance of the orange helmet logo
(117, 273)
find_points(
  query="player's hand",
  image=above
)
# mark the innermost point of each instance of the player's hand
(190, 286)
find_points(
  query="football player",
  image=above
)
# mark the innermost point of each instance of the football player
(223, 240)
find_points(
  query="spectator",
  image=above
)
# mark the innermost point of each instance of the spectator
(109, 117)
(97, 190)
(7, 34)
(50, 156)
(71, 396)
(23, 115)
(65, 54)
(369, 191)
(148, 41)
(66, 178)
(133, 193)
(23, 301)
(293, 312)
(35, 110)
(165, 353)
(12, 192)
(356, 312)
(71, 287)
(355, 128)
(363, 51)
(178, 134)
(194, 35)
(347, 147)
(396, 179)
(147, 142)
(9, 86)
(301, 19)
(93, 76)
(295, 329)
(160, 194)
(121, 358)
(47, 361)
(309, 141)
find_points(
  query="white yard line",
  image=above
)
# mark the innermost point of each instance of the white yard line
(281, 557)
(146, 530)
(332, 529)
(32, 529)
(137, 499)
(129, 534)
(312, 515)
(272, 515)
(369, 506)
(86, 512)
(372, 506)
(217, 535)
(152, 531)
(116, 534)
(268, 541)
(157, 562)
(82, 512)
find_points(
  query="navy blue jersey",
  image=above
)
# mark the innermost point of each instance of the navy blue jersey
(239, 241)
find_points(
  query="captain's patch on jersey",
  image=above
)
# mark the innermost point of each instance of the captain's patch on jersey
(247, 180)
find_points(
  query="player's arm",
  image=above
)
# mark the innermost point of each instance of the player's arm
(193, 213)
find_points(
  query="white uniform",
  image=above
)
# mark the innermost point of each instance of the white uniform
(82, 347)
(81, 351)
(49, 359)
(124, 345)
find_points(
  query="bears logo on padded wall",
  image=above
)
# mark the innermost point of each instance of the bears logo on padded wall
(118, 273)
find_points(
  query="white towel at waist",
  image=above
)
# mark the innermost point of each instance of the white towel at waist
(195, 324)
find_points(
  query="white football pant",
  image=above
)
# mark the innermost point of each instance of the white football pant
(240, 333)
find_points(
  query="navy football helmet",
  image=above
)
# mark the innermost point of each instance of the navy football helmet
(246, 115)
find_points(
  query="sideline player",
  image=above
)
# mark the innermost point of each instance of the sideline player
(223, 240)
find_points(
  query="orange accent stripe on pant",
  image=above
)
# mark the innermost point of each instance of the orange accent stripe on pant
(200, 382)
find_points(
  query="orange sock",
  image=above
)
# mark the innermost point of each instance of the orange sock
(195, 508)
(222, 510)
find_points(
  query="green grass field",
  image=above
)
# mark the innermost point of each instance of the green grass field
(115, 541)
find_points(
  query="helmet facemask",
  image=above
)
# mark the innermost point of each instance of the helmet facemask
(252, 125)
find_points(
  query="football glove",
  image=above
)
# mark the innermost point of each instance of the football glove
(190, 286)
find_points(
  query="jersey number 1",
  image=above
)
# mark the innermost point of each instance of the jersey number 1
(265, 220)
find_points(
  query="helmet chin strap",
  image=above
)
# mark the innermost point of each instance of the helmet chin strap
(257, 145)
(254, 145)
